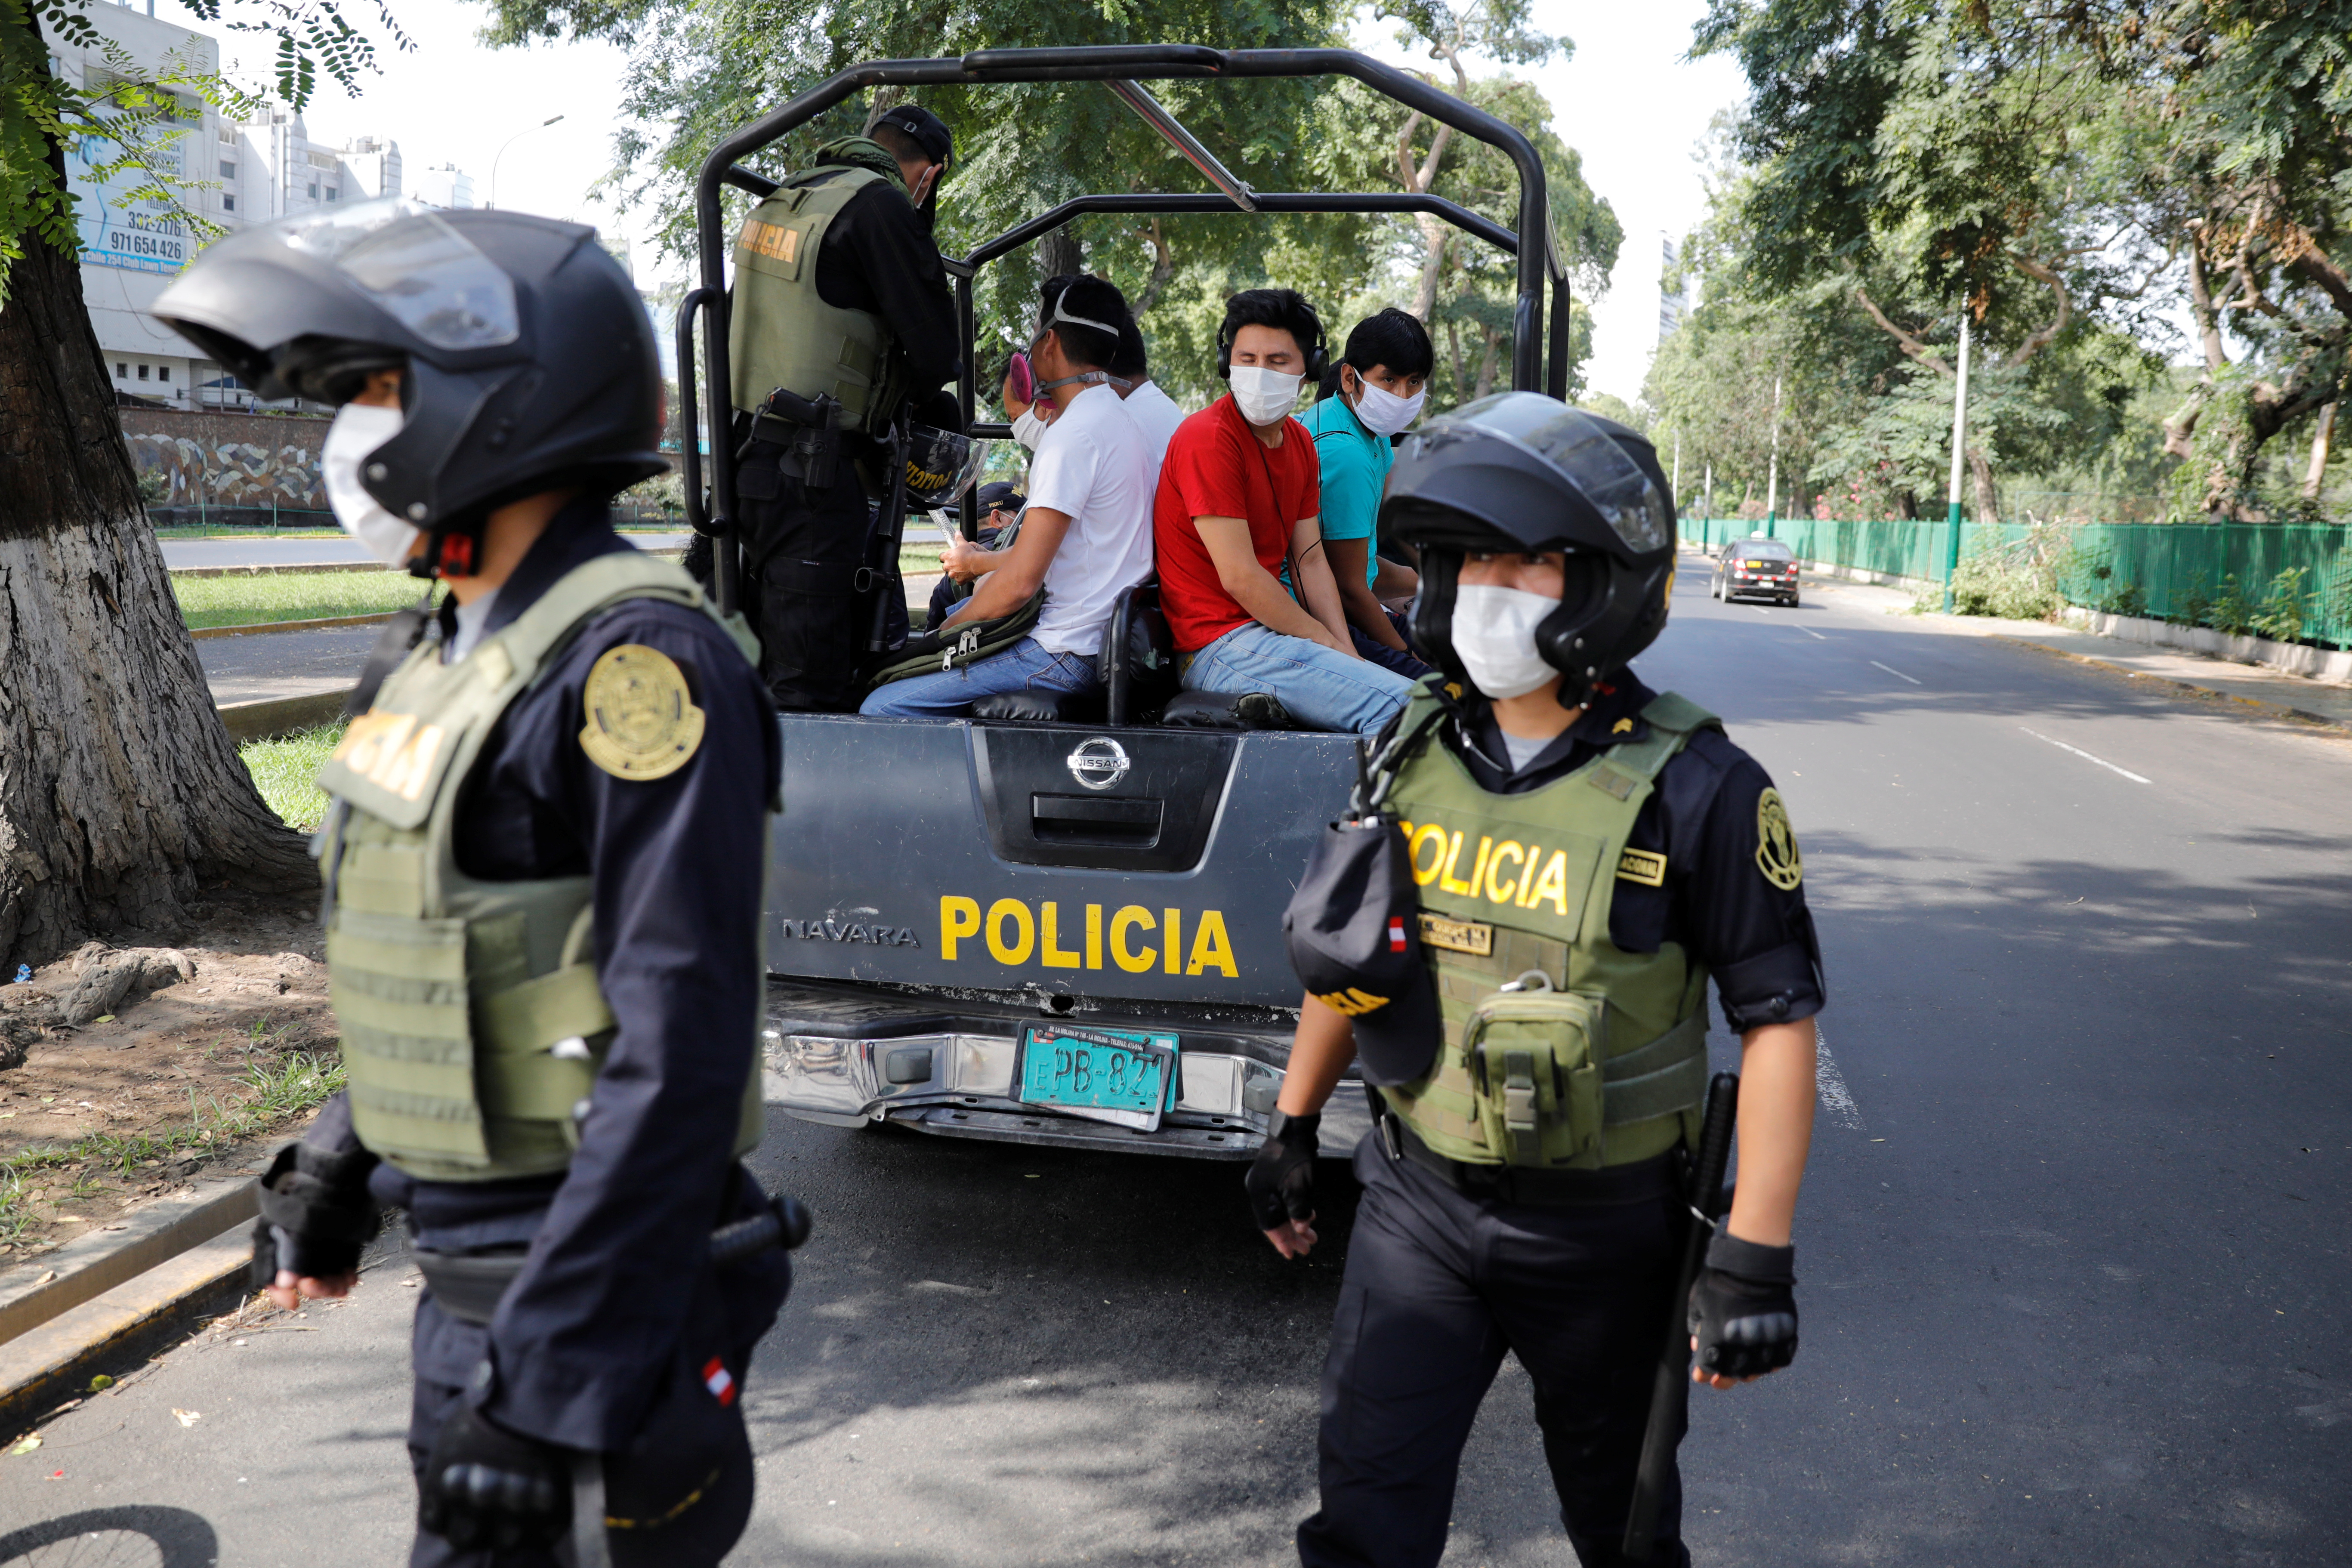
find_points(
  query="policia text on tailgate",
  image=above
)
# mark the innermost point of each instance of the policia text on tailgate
(971, 920)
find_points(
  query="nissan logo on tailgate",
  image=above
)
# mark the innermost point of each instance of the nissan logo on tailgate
(1098, 762)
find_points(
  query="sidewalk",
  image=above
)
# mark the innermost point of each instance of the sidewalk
(2326, 701)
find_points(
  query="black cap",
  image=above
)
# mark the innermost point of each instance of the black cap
(1002, 495)
(1353, 929)
(928, 130)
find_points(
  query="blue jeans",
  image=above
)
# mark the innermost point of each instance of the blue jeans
(951, 693)
(1323, 689)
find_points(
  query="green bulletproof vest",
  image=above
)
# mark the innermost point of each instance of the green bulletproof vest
(1560, 1050)
(780, 331)
(473, 1024)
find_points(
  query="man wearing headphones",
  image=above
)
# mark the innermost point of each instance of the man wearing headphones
(1238, 503)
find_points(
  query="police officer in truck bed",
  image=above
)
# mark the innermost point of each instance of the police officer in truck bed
(870, 329)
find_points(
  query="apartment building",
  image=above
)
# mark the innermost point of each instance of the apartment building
(234, 174)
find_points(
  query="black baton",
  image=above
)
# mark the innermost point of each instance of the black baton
(785, 1225)
(1672, 1389)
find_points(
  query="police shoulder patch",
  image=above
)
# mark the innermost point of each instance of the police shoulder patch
(1776, 843)
(640, 722)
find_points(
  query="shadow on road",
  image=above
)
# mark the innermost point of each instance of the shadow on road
(134, 1536)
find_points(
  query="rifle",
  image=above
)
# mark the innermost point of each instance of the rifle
(1670, 1393)
(881, 573)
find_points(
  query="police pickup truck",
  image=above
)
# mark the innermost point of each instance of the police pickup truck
(1068, 931)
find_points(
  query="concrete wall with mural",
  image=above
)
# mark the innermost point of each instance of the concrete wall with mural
(228, 459)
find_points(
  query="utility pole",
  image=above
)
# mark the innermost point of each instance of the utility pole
(1959, 457)
(1710, 491)
(1772, 478)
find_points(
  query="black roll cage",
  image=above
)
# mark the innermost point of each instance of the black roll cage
(1121, 66)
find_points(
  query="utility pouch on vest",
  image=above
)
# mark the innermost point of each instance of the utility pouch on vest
(1535, 1068)
(953, 647)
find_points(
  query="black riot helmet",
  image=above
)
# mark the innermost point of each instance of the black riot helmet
(528, 361)
(1519, 471)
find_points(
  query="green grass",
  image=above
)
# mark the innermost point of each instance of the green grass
(273, 1089)
(292, 596)
(215, 531)
(285, 771)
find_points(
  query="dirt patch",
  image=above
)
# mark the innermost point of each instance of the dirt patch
(214, 1045)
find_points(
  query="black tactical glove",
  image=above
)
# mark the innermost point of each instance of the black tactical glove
(1743, 1309)
(485, 1486)
(1281, 1180)
(317, 1206)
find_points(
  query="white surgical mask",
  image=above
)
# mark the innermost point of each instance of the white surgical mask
(1384, 412)
(1494, 638)
(1029, 429)
(358, 430)
(1263, 395)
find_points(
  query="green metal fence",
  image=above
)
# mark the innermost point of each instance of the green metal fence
(2174, 566)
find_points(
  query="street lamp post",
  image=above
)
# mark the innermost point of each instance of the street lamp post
(1959, 445)
(1772, 481)
(508, 142)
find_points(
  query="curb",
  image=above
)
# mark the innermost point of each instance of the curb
(52, 1365)
(2267, 710)
(91, 1265)
(325, 623)
(272, 716)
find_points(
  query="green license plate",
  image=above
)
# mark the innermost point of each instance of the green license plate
(1108, 1075)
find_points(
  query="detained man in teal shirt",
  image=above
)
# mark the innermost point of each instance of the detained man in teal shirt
(1382, 381)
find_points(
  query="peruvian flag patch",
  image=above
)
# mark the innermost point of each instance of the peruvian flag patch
(1396, 933)
(715, 1378)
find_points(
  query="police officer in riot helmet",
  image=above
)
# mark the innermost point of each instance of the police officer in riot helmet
(841, 324)
(543, 888)
(1514, 934)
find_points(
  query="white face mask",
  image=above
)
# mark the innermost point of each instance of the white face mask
(1029, 429)
(1494, 638)
(1384, 412)
(1263, 395)
(358, 430)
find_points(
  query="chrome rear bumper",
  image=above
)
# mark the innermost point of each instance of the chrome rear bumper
(962, 1086)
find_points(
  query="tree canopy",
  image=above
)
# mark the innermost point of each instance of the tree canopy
(2076, 179)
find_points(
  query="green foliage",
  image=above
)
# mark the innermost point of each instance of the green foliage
(285, 771)
(698, 68)
(2232, 613)
(2193, 604)
(140, 113)
(2284, 608)
(2018, 580)
(264, 597)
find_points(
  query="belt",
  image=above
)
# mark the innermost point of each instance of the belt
(1637, 1181)
(469, 1285)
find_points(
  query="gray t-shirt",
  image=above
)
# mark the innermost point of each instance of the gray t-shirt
(1523, 750)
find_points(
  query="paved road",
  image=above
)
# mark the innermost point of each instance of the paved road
(2072, 1247)
(262, 552)
(255, 665)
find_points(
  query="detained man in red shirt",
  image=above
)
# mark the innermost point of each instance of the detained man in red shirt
(1239, 499)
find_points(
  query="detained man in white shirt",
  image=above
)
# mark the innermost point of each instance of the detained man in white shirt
(1154, 412)
(1086, 536)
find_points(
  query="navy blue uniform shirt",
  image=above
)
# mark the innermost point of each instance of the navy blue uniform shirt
(1756, 938)
(583, 1338)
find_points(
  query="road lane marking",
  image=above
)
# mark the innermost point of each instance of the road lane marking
(1895, 672)
(2087, 757)
(1836, 1099)
(1812, 634)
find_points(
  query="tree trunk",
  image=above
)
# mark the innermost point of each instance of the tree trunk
(1059, 254)
(120, 792)
(1988, 498)
(2323, 436)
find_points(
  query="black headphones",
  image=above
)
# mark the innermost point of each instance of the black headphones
(1318, 353)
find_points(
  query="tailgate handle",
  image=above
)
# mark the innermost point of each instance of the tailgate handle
(1108, 819)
